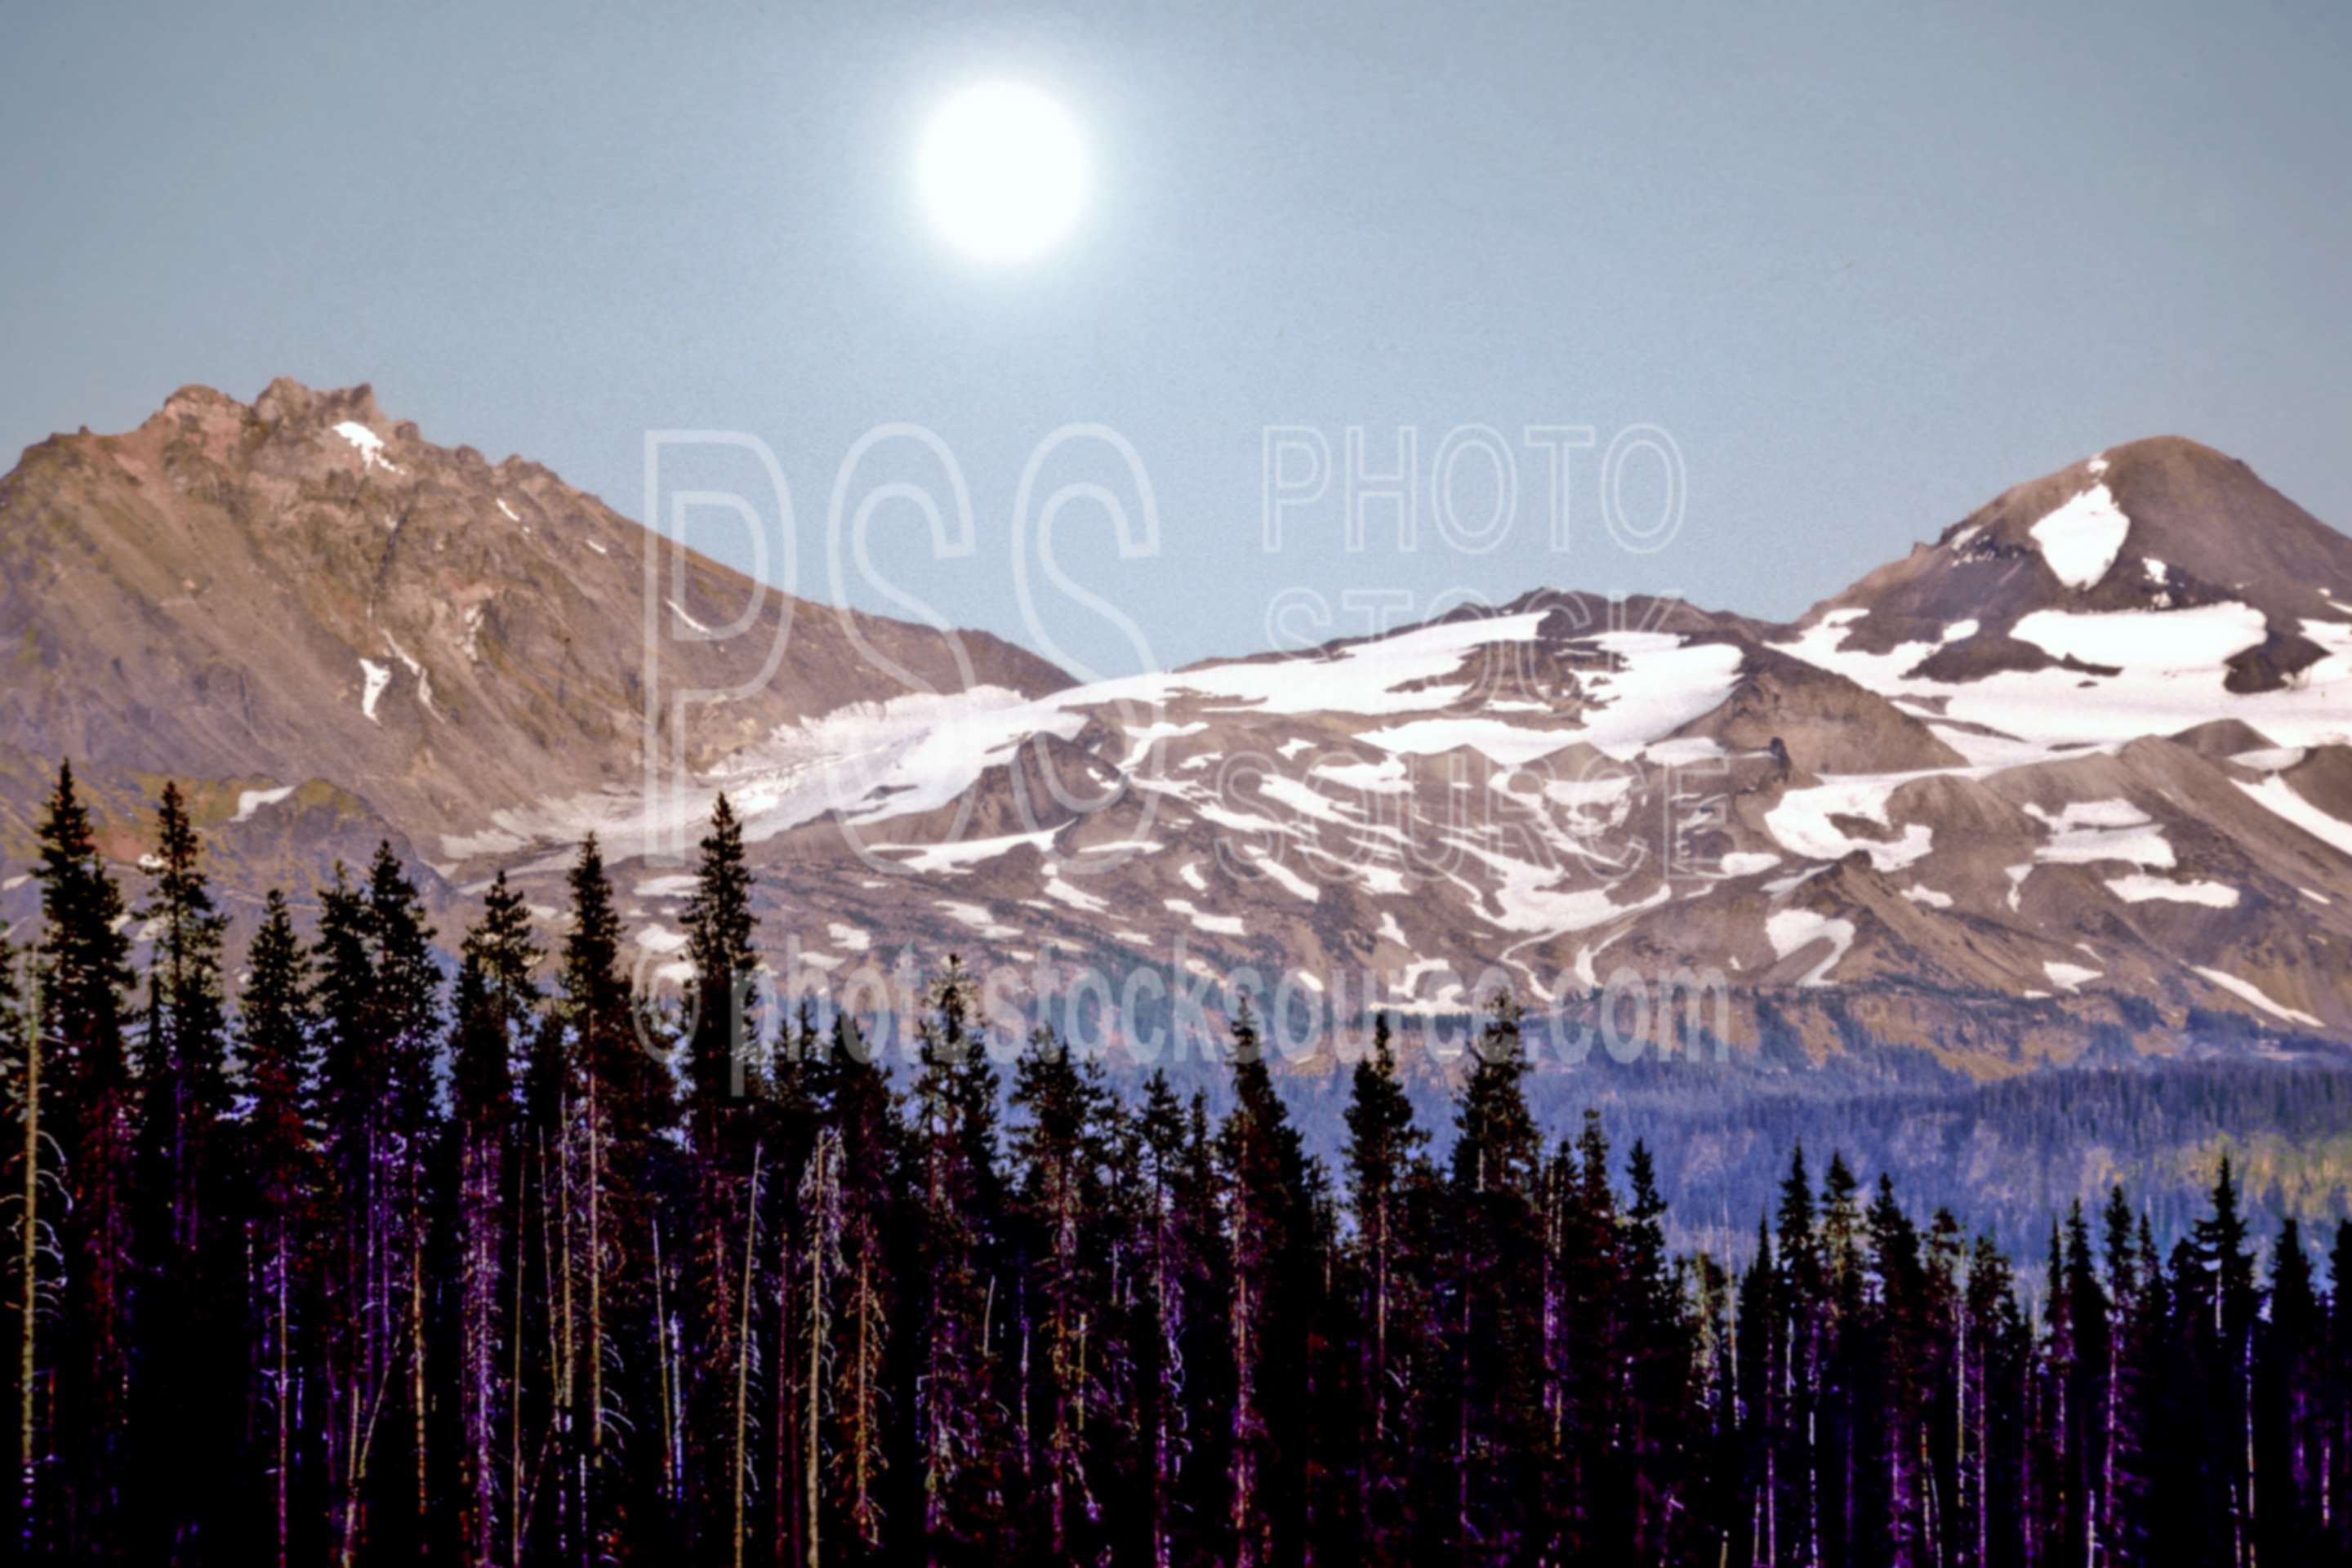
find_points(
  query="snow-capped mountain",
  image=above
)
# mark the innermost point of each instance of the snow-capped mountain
(2078, 767)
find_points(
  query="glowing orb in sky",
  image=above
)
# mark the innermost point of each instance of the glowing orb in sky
(1002, 171)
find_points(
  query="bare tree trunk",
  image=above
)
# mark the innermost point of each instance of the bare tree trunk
(28, 1303)
(743, 1346)
(661, 1357)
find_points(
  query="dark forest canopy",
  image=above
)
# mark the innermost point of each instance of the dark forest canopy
(364, 1264)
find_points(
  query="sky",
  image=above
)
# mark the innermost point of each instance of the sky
(1862, 266)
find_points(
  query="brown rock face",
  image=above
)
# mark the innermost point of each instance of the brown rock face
(305, 588)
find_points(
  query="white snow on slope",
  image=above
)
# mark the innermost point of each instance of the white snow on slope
(1802, 821)
(2048, 711)
(2068, 976)
(954, 857)
(1662, 683)
(509, 511)
(2138, 887)
(977, 917)
(252, 800)
(1792, 931)
(2148, 641)
(1823, 644)
(1217, 925)
(370, 444)
(2081, 539)
(2085, 832)
(2247, 991)
(2276, 795)
(658, 938)
(376, 677)
(1078, 899)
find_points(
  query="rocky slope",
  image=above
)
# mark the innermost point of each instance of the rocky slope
(2077, 775)
(344, 631)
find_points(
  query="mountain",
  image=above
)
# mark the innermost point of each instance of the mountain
(2074, 777)
(338, 630)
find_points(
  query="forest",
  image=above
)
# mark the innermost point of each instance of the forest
(349, 1258)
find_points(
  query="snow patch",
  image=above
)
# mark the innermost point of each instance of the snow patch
(253, 800)
(1801, 822)
(2246, 991)
(977, 917)
(952, 859)
(2068, 976)
(1792, 931)
(2140, 887)
(1217, 925)
(2085, 832)
(2080, 540)
(370, 444)
(2147, 641)
(376, 677)
(2279, 797)
(658, 938)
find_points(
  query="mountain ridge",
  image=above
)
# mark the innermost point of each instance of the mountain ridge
(2077, 763)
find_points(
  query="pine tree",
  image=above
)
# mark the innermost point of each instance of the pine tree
(495, 1009)
(1061, 1155)
(83, 966)
(958, 1217)
(284, 1180)
(1269, 1248)
(862, 1119)
(720, 1067)
(1384, 1145)
(380, 1020)
(185, 1292)
(1494, 1279)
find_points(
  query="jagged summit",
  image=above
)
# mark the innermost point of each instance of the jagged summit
(302, 587)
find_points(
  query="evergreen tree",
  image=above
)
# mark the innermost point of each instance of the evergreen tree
(1390, 1265)
(284, 1179)
(187, 1294)
(84, 974)
(495, 1008)
(1493, 1277)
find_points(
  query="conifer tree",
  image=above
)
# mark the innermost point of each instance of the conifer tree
(284, 1179)
(719, 1067)
(1061, 1155)
(1269, 1250)
(1493, 1277)
(495, 1009)
(1384, 1147)
(187, 1268)
(84, 974)
(957, 1215)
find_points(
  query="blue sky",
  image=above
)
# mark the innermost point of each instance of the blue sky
(1867, 264)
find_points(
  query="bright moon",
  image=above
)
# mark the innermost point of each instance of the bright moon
(1002, 171)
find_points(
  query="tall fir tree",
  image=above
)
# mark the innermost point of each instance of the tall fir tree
(187, 1297)
(85, 978)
